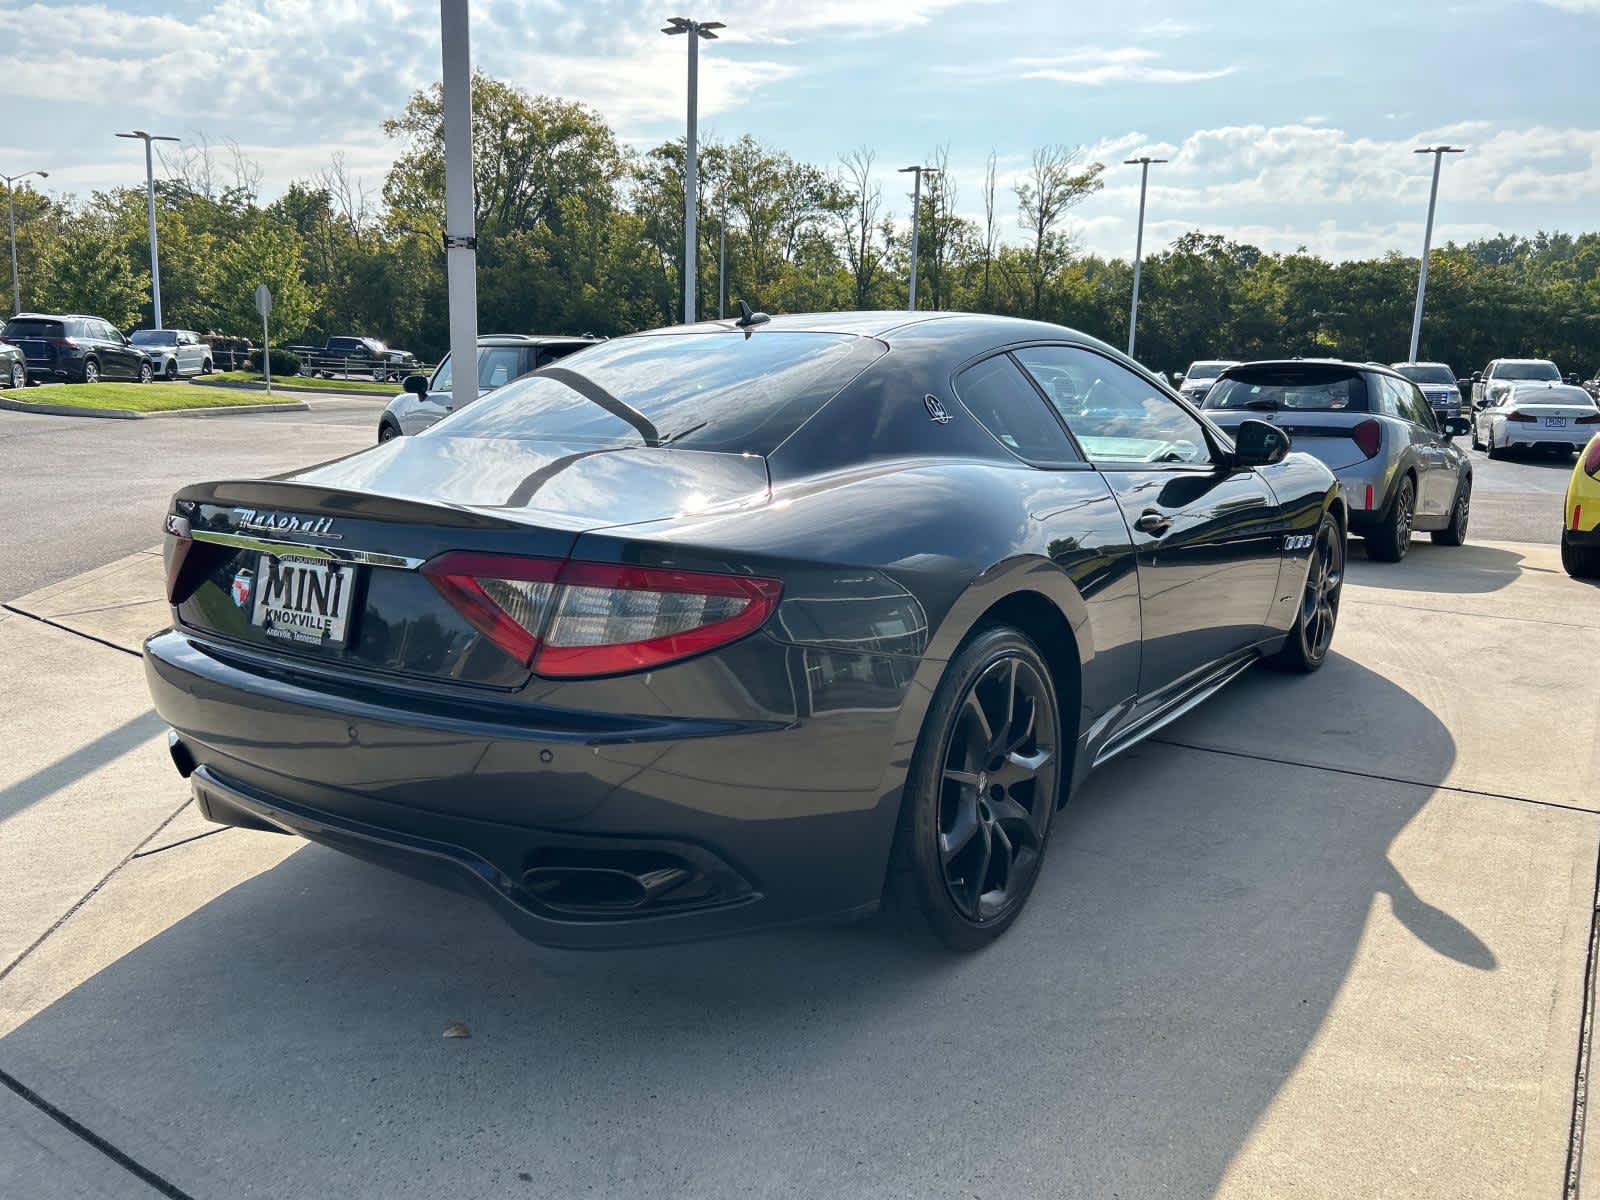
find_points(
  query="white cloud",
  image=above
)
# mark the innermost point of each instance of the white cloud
(1095, 66)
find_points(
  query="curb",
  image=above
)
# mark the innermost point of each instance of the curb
(123, 414)
(329, 393)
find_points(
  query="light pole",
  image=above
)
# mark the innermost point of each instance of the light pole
(722, 252)
(1138, 243)
(150, 199)
(916, 213)
(460, 228)
(1438, 153)
(11, 222)
(691, 167)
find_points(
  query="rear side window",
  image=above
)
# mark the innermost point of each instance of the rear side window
(701, 391)
(1308, 388)
(1116, 416)
(31, 327)
(1005, 404)
(1410, 402)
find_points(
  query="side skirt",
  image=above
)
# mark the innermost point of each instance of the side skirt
(1180, 704)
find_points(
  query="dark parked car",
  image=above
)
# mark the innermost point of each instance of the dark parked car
(76, 349)
(502, 357)
(729, 626)
(13, 366)
(360, 356)
(1398, 463)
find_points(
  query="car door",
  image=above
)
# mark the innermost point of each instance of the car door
(1206, 535)
(1436, 482)
(191, 354)
(430, 407)
(117, 357)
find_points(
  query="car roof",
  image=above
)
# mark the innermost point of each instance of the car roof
(1419, 363)
(1322, 362)
(891, 325)
(533, 339)
(1540, 361)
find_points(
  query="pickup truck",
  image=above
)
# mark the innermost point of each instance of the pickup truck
(359, 356)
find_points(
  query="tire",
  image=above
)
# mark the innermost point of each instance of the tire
(1318, 615)
(982, 790)
(172, 370)
(387, 433)
(1490, 447)
(1455, 534)
(1390, 541)
(146, 373)
(1477, 442)
(205, 367)
(91, 371)
(19, 376)
(1581, 562)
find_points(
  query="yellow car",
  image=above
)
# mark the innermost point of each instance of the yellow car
(1580, 535)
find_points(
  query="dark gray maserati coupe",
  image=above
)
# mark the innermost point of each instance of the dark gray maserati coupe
(740, 623)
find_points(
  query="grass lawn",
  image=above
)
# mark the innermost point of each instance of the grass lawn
(225, 378)
(139, 397)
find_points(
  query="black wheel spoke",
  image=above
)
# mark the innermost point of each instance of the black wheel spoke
(952, 843)
(975, 707)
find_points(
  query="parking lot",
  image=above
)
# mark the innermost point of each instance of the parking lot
(1327, 936)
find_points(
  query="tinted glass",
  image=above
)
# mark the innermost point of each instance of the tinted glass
(1413, 406)
(341, 343)
(1205, 370)
(498, 365)
(708, 391)
(441, 377)
(1005, 404)
(1528, 370)
(1116, 416)
(1308, 387)
(155, 337)
(1420, 373)
(31, 327)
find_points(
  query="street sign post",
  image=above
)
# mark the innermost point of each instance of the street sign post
(264, 307)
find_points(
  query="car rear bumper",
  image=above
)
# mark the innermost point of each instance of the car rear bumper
(581, 830)
(1515, 433)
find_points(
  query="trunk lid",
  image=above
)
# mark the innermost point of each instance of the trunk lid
(1323, 435)
(344, 541)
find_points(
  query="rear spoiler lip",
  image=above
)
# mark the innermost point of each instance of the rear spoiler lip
(320, 500)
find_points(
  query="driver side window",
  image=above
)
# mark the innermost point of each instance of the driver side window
(441, 378)
(1116, 416)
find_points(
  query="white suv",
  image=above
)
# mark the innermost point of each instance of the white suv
(174, 352)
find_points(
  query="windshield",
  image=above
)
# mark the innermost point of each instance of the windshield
(717, 391)
(1335, 389)
(1528, 370)
(154, 337)
(27, 327)
(1427, 373)
(1206, 370)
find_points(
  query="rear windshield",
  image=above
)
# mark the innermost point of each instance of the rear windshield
(154, 337)
(1421, 373)
(1314, 389)
(31, 327)
(702, 391)
(1528, 370)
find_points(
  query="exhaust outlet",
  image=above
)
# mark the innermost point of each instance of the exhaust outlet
(182, 757)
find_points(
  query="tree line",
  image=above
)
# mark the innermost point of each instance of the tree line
(578, 233)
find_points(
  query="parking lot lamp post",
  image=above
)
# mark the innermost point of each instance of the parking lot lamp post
(916, 212)
(722, 254)
(150, 202)
(460, 228)
(1438, 153)
(691, 167)
(11, 223)
(1138, 243)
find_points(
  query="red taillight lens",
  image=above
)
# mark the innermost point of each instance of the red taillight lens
(1591, 458)
(1521, 416)
(583, 618)
(1591, 419)
(1368, 435)
(66, 343)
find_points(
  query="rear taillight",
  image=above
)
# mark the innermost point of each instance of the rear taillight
(584, 618)
(1591, 419)
(61, 343)
(1368, 435)
(1521, 416)
(1591, 458)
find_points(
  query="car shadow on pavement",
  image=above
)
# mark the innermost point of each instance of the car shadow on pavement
(1198, 914)
(89, 757)
(1459, 570)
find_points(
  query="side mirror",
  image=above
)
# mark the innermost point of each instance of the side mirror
(1572, 377)
(1455, 427)
(1477, 377)
(1177, 378)
(417, 385)
(1463, 381)
(1259, 444)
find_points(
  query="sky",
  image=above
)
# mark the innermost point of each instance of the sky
(1287, 123)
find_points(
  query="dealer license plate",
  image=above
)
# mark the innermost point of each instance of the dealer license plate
(302, 600)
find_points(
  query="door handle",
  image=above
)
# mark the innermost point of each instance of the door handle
(1153, 522)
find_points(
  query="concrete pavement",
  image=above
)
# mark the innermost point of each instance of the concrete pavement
(1326, 937)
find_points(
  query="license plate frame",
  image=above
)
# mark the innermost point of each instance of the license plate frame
(303, 601)
(1554, 422)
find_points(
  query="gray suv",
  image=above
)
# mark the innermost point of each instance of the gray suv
(1397, 462)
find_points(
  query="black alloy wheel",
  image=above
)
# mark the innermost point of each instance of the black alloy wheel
(983, 788)
(387, 433)
(172, 369)
(1455, 533)
(1318, 614)
(1390, 542)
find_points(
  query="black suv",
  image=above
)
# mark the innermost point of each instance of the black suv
(75, 348)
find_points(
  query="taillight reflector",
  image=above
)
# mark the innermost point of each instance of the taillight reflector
(584, 618)
(1368, 435)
